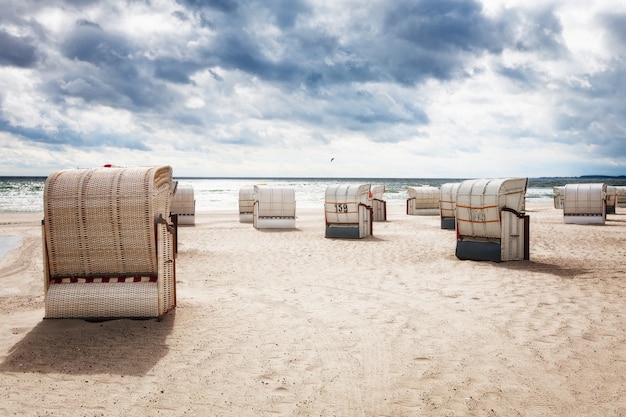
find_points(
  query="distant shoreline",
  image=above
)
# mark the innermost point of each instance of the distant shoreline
(580, 177)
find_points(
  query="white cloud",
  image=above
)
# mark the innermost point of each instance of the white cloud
(429, 88)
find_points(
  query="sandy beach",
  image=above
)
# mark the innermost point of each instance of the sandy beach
(289, 323)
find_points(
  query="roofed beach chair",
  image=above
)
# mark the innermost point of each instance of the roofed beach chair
(379, 206)
(490, 220)
(620, 197)
(347, 212)
(108, 247)
(558, 197)
(274, 208)
(422, 201)
(584, 203)
(447, 205)
(246, 204)
(611, 199)
(184, 204)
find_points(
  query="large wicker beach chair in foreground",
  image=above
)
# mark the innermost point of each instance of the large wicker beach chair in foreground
(108, 244)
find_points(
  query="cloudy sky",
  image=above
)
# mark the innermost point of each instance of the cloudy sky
(266, 88)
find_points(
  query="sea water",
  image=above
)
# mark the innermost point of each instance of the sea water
(25, 194)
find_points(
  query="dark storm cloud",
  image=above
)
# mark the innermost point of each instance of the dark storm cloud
(80, 3)
(175, 71)
(365, 111)
(415, 41)
(439, 38)
(615, 26)
(435, 38)
(594, 113)
(284, 13)
(225, 6)
(444, 25)
(116, 74)
(17, 51)
(537, 31)
(238, 52)
(306, 54)
(89, 43)
(65, 136)
(523, 76)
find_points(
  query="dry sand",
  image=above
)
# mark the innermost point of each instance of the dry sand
(288, 323)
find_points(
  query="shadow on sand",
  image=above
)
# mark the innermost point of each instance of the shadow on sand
(80, 347)
(545, 268)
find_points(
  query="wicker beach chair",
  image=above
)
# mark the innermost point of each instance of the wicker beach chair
(379, 206)
(274, 208)
(184, 204)
(246, 204)
(108, 246)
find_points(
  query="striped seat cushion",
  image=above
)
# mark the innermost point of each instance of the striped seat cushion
(104, 279)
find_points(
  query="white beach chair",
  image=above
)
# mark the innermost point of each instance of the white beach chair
(347, 212)
(246, 204)
(379, 205)
(274, 208)
(184, 204)
(447, 204)
(584, 203)
(490, 222)
(422, 201)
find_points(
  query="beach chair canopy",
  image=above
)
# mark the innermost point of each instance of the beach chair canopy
(379, 206)
(108, 249)
(447, 199)
(558, 196)
(425, 197)
(620, 196)
(479, 203)
(611, 198)
(378, 191)
(275, 201)
(584, 200)
(246, 200)
(341, 205)
(184, 203)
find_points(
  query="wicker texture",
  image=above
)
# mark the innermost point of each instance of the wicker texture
(103, 223)
(101, 299)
